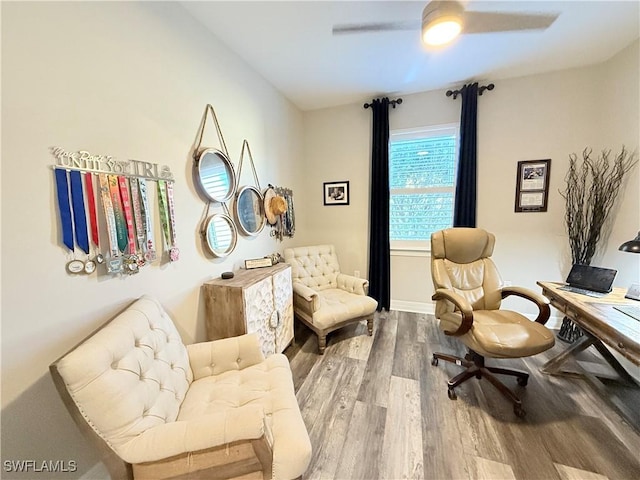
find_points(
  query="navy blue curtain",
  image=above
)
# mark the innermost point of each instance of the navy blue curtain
(379, 260)
(464, 211)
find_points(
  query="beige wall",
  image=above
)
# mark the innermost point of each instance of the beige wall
(529, 118)
(129, 80)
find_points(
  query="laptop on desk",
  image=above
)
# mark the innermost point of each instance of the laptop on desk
(591, 281)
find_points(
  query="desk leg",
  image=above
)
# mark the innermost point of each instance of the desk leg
(615, 364)
(553, 366)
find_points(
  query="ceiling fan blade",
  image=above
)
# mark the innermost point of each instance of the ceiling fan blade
(483, 22)
(374, 27)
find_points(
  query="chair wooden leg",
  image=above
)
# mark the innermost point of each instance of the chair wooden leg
(370, 325)
(322, 343)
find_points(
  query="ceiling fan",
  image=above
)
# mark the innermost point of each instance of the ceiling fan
(442, 21)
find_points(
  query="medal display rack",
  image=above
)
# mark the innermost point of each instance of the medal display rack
(122, 189)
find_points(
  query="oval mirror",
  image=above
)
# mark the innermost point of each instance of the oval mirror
(216, 175)
(250, 210)
(221, 235)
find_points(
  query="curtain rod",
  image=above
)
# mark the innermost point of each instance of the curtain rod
(392, 102)
(481, 90)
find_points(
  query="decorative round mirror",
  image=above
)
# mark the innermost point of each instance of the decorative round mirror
(216, 175)
(250, 210)
(221, 235)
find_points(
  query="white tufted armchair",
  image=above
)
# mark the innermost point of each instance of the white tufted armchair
(323, 298)
(157, 408)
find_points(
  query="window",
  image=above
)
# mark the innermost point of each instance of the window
(422, 176)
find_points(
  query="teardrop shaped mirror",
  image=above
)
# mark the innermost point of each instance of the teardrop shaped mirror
(216, 175)
(250, 211)
(221, 235)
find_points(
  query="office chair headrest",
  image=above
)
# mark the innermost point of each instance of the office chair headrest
(462, 245)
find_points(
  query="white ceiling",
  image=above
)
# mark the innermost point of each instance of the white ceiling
(292, 46)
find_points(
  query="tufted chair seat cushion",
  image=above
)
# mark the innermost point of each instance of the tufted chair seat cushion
(337, 306)
(151, 398)
(324, 298)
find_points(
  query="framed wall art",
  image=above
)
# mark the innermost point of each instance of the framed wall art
(532, 185)
(336, 193)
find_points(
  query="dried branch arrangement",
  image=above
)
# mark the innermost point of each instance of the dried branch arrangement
(590, 194)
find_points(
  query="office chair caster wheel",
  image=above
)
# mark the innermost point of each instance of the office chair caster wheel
(519, 411)
(452, 394)
(522, 381)
(434, 361)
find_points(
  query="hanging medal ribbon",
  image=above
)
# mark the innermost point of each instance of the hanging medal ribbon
(149, 247)
(137, 220)
(164, 213)
(121, 224)
(174, 253)
(62, 187)
(128, 215)
(79, 215)
(109, 215)
(93, 219)
(115, 261)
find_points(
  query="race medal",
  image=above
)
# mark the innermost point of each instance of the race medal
(100, 258)
(75, 266)
(130, 264)
(174, 254)
(114, 265)
(89, 266)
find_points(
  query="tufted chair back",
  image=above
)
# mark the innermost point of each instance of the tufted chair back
(461, 261)
(131, 375)
(316, 267)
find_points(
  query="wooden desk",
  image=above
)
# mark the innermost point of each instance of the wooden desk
(602, 324)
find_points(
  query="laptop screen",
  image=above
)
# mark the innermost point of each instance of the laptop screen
(592, 278)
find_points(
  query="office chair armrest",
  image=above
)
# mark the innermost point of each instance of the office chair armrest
(541, 301)
(462, 304)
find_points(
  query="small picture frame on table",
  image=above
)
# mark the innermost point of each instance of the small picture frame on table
(532, 185)
(336, 193)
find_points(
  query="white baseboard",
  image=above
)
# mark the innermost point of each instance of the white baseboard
(413, 307)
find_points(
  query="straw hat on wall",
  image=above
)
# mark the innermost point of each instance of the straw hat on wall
(274, 206)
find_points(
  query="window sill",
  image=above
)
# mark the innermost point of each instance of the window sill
(397, 252)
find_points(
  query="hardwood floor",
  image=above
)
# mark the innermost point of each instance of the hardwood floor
(376, 408)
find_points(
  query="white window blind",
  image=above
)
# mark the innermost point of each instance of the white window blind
(422, 175)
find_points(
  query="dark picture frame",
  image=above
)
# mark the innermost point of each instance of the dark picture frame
(532, 185)
(336, 193)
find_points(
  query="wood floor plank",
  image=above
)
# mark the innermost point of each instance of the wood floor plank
(377, 376)
(483, 469)
(443, 455)
(401, 452)
(569, 473)
(362, 449)
(329, 427)
(352, 341)
(407, 357)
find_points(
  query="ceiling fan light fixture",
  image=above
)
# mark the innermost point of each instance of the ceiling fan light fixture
(441, 22)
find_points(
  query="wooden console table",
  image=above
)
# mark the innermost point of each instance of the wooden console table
(603, 326)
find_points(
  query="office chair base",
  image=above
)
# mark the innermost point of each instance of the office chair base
(475, 367)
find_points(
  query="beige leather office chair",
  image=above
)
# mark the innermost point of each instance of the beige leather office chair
(323, 298)
(468, 292)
